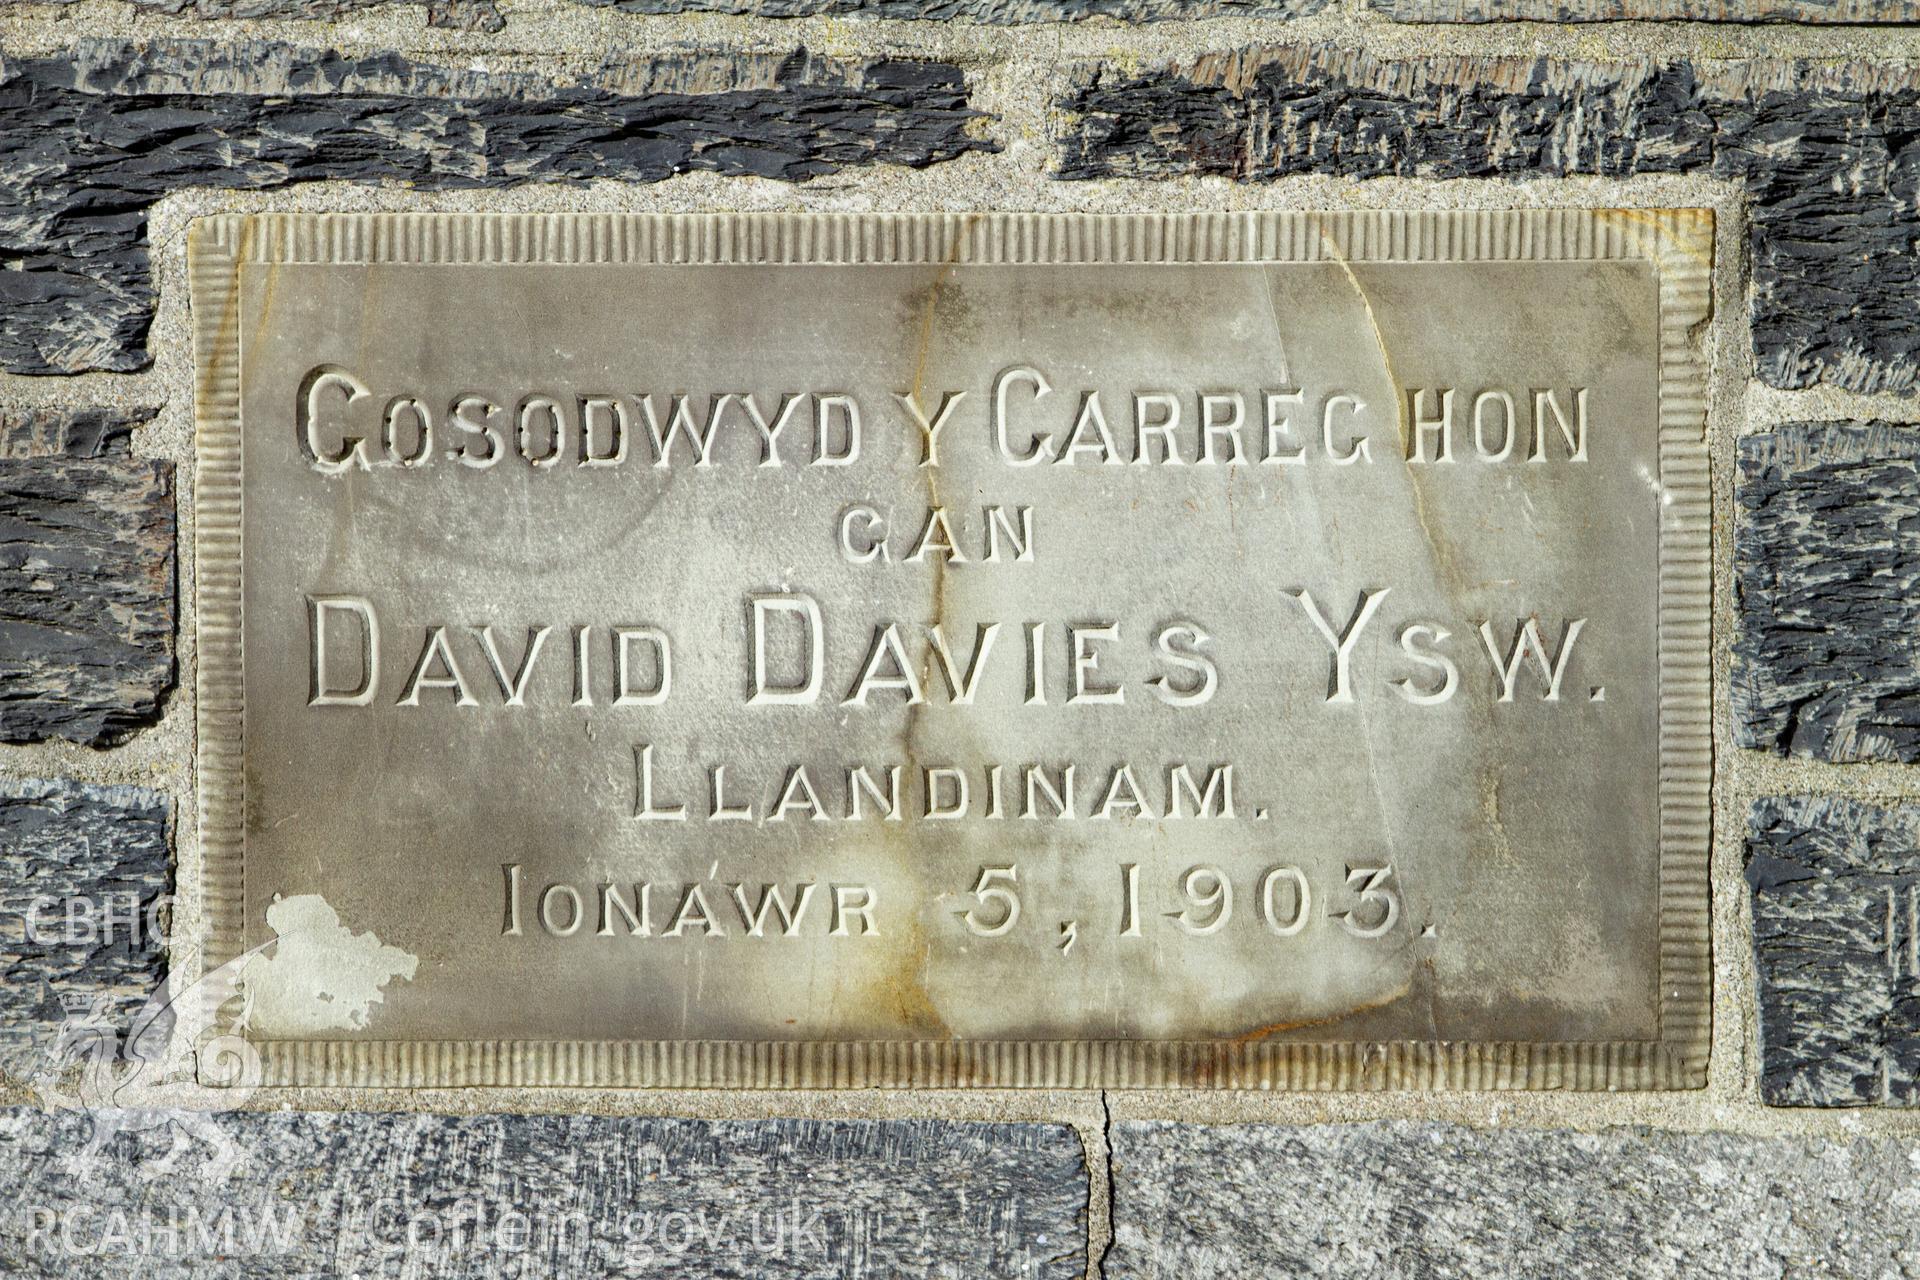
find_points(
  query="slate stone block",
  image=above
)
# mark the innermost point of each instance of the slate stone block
(460, 15)
(89, 140)
(1828, 154)
(1836, 946)
(69, 433)
(83, 870)
(87, 595)
(997, 12)
(1827, 574)
(1396, 1200)
(459, 1198)
(1649, 10)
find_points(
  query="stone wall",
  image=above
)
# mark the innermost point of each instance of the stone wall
(121, 120)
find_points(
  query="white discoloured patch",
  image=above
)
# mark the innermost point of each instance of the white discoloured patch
(321, 976)
(1654, 487)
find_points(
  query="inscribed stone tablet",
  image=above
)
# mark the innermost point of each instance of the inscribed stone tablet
(1255, 649)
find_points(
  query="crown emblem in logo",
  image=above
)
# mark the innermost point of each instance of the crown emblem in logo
(77, 1003)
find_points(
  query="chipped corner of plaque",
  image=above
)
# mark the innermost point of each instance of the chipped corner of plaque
(317, 976)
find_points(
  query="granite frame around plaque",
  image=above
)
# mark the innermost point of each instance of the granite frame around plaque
(1676, 244)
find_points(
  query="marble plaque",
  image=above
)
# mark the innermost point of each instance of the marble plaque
(1252, 650)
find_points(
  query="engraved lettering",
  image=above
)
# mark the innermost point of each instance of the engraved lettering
(1278, 426)
(887, 652)
(1185, 654)
(645, 808)
(314, 390)
(799, 796)
(1339, 685)
(761, 689)
(693, 913)
(930, 429)
(754, 919)
(1214, 427)
(961, 690)
(1438, 425)
(1528, 642)
(1130, 900)
(624, 640)
(479, 443)
(1114, 801)
(1377, 898)
(1039, 448)
(534, 410)
(637, 917)
(853, 904)
(718, 810)
(1290, 925)
(576, 914)
(319, 610)
(1209, 897)
(860, 783)
(510, 914)
(1160, 426)
(769, 432)
(513, 688)
(1505, 413)
(937, 536)
(863, 535)
(1060, 797)
(1020, 540)
(415, 408)
(1357, 449)
(826, 408)
(939, 805)
(436, 650)
(1547, 404)
(619, 423)
(1090, 435)
(998, 908)
(1181, 788)
(680, 424)
(1081, 638)
(1417, 642)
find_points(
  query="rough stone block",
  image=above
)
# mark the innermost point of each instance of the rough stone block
(999, 12)
(86, 578)
(1650, 10)
(462, 15)
(89, 140)
(293, 1195)
(1829, 155)
(69, 433)
(1827, 566)
(1385, 1201)
(1836, 945)
(83, 870)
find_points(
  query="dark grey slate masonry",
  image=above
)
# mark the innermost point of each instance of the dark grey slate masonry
(1836, 942)
(463, 15)
(1830, 156)
(986, 11)
(83, 871)
(1396, 1200)
(1654, 10)
(70, 433)
(337, 1195)
(89, 140)
(87, 591)
(1827, 574)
